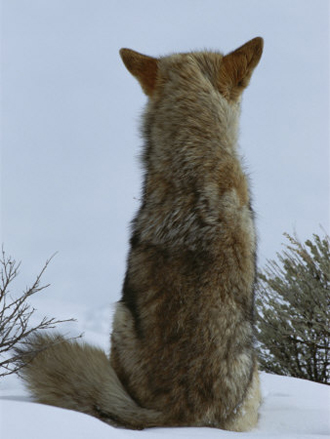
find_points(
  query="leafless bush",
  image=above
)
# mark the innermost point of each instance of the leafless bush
(293, 311)
(15, 314)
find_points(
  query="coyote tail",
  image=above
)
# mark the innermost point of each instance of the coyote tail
(79, 377)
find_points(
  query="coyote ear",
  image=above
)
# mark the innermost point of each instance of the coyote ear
(143, 67)
(237, 67)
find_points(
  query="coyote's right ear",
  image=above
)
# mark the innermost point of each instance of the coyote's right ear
(143, 67)
(237, 68)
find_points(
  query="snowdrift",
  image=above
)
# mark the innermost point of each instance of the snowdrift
(291, 408)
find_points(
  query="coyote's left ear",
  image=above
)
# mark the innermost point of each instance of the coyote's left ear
(237, 67)
(143, 67)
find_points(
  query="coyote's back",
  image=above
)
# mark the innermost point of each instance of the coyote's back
(182, 341)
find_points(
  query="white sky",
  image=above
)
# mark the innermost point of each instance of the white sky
(70, 179)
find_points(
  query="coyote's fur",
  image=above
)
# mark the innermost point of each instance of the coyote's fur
(182, 342)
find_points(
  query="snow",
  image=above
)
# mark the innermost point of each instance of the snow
(291, 408)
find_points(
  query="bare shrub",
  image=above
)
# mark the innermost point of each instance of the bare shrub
(15, 314)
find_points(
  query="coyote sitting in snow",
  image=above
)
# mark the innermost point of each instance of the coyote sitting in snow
(182, 342)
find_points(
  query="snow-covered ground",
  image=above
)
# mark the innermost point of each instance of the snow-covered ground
(291, 408)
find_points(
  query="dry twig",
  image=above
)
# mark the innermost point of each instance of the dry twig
(15, 314)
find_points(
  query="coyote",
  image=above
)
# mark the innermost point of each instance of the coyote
(182, 343)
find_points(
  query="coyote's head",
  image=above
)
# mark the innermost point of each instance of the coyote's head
(230, 74)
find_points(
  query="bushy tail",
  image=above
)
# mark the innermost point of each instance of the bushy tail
(79, 377)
